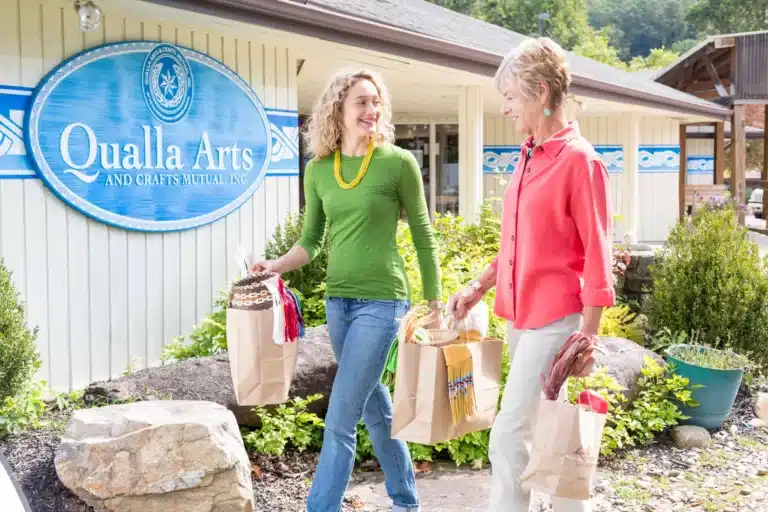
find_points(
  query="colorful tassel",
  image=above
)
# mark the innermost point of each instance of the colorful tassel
(461, 386)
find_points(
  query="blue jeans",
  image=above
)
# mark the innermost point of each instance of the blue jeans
(361, 333)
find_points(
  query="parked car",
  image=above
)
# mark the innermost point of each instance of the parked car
(755, 204)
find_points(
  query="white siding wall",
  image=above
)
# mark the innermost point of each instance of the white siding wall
(102, 297)
(658, 192)
(701, 147)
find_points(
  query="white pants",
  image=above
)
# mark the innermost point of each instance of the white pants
(531, 352)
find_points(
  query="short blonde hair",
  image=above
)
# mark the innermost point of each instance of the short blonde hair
(532, 62)
(325, 125)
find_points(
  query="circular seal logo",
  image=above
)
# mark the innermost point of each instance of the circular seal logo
(167, 83)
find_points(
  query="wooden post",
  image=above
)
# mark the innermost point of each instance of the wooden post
(739, 148)
(719, 153)
(683, 168)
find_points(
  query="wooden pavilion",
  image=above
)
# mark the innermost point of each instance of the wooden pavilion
(728, 70)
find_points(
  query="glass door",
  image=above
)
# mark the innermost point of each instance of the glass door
(415, 138)
(447, 169)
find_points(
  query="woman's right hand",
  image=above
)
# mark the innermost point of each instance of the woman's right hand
(459, 304)
(268, 266)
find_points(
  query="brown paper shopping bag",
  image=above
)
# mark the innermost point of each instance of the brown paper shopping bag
(422, 410)
(261, 370)
(565, 450)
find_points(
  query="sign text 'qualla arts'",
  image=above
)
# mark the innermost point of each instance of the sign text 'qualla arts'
(154, 137)
(153, 155)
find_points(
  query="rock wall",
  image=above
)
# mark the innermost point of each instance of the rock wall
(637, 281)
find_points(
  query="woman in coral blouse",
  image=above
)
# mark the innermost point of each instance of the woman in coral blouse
(553, 271)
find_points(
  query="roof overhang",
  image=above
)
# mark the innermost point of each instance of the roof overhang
(306, 18)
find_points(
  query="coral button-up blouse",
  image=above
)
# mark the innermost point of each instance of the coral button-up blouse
(556, 233)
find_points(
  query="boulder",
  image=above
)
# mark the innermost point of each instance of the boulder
(761, 406)
(687, 437)
(624, 359)
(209, 379)
(156, 456)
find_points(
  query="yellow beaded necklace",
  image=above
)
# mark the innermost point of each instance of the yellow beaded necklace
(360, 174)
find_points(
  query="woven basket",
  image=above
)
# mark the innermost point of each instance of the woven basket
(250, 293)
(441, 337)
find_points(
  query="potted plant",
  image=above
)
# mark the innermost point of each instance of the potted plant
(715, 377)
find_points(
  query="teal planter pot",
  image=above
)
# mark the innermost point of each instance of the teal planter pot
(718, 393)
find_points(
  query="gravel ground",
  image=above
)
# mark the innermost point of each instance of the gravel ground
(730, 476)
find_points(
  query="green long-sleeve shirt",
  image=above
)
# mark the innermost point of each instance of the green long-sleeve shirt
(364, 262)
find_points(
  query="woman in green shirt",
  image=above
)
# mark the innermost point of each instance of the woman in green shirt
(358, 182)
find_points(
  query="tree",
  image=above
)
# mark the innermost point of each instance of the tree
(658, 58)
(641, 25)
(597, 47)
(568, 23)
(729, 16)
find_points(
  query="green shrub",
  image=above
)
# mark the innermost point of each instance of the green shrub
(710, 279)
(308, 281)
(289, 424)
(18, 354)
(620, 321)
(24, 410)
(208, 338)
(653, 410)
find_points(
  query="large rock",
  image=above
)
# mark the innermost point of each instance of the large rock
(624, 359)
(761, 406)
(156, 456)
(209, 379)
(687, 437)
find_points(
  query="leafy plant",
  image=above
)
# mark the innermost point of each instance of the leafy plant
(289, 424)
(18, 355)
(307, 279)
(208, 338)
(707, 357)
(621, 322)
(654, 409)
(23, 411)
(710, 279)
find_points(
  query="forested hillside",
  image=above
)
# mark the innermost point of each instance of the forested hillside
(630, 34)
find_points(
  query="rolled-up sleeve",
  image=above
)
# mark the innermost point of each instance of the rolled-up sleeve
(591, 212)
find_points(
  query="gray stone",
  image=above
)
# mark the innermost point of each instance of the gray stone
(209, 379)
(687, 437)
(169, 456)
(624, 360)
(761, 406)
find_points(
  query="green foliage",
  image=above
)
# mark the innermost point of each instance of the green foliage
(709, 279)
(654, 409)
(464, 250)
(286, 235)
(728, 16)
(597, 46)
(208, 338)
(24, 410)
(659, 58)
(18, 355)
(621, 322)
(288, 425)
(706, 357)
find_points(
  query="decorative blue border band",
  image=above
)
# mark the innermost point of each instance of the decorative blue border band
(503, 159)
(15, 163)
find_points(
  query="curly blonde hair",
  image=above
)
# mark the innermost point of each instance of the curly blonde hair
(532, 62)
(324, 127)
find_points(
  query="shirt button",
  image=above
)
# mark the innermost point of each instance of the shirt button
(510, 261)
(510, 286)
(512, 238)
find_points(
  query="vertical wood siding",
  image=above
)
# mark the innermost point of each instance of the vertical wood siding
(658, 202)
(105, 298)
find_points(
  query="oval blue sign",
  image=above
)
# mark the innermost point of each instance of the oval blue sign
(149, 136)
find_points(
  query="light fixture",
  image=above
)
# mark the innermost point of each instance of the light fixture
(89, 13)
